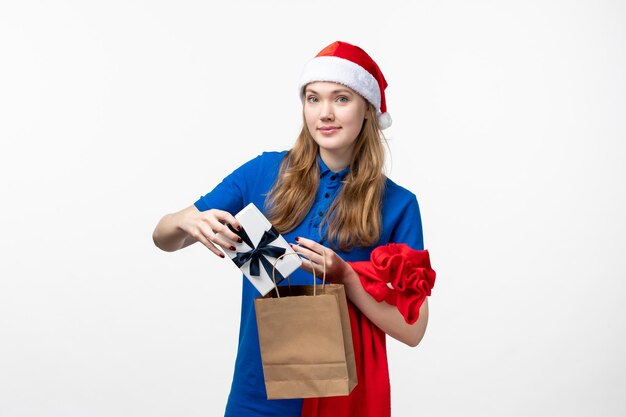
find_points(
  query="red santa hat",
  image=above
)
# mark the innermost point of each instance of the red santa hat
(351, 66)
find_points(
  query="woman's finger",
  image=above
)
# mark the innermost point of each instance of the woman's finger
(200, 237)
(226, 217)
(310, 244)
(315, 257)
(224, 231)
(212, 237)
(307, 253)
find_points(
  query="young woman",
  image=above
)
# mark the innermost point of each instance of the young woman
(327, 195)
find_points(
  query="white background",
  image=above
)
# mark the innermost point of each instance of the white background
(509, 126)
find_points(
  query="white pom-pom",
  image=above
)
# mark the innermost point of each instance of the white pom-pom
(384, 120)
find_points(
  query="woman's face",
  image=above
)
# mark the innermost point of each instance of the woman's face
(334, 115)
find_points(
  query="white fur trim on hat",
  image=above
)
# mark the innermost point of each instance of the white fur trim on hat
(342, 71)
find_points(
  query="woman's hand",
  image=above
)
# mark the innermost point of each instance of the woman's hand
(178, 230)
(337, 270)
(204, 226)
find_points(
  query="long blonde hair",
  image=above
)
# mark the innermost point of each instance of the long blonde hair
(354, 218)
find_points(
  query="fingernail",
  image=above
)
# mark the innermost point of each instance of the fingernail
(232, 248)
(222, 255)
(239, 240)
(297, 239)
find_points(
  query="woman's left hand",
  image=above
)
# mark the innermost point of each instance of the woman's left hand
(337, 270)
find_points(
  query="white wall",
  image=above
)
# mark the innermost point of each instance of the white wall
(508, 125)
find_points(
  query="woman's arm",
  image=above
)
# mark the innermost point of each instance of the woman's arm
(387, 317)
(178, 230)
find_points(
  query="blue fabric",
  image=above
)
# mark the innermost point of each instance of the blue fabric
(250, 183)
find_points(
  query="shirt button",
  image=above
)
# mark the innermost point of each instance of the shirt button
(326, 195)
(321, 213)
(332, 177)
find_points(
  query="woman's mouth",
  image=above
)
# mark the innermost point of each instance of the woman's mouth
(329, 130)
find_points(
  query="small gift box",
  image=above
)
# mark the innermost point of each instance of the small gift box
(261, 245)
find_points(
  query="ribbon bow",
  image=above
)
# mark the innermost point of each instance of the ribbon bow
(259, 253)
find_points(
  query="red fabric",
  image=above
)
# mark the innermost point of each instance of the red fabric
(407, 270)
(412, 278)
(371, 396)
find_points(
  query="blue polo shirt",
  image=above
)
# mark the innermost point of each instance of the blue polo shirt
(249, 184)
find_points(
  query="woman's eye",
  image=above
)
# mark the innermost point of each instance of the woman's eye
(342, 99)
(312, 99)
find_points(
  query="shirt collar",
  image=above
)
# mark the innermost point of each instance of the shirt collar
(324, 170)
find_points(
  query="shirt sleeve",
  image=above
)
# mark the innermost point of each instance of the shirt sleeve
(409, 229)
(230, 194)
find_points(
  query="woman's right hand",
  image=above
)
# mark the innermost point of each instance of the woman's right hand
(178, 230)
(204, 226)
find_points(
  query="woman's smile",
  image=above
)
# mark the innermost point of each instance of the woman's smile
(328, 130)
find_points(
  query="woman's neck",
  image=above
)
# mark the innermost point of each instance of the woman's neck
(335, 162)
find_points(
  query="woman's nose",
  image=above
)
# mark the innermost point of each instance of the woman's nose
(327, 111)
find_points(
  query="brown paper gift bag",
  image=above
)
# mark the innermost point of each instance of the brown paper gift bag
(306, 341)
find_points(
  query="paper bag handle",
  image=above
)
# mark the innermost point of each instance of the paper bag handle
(312, 267)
